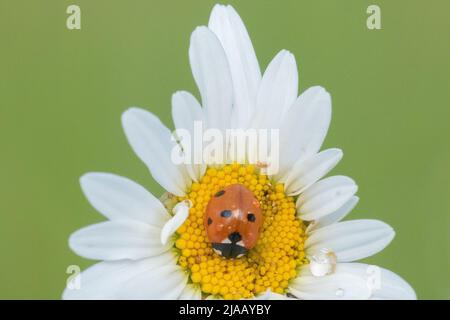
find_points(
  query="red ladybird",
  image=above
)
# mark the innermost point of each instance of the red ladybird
(233, 221)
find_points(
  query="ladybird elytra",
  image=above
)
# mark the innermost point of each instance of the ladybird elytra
(233, 221)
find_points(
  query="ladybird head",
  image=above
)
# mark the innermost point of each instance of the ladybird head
(233, 221)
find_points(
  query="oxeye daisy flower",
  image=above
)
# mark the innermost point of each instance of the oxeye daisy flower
(233, 230)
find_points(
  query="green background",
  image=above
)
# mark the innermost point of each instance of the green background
(62, 93)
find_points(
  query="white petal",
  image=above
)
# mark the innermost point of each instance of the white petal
(181, 211)
(153, 144)
(116, 240)
(384, 284)
(212, 74)
(351, 240)
(277, 92)
(304, 126)
(340, 285)
(393, 287)
(324, 197)
(245, 72)
(352, 281)
(305, 172)
(185, 111)
(191, 292)
(105, 280)
(335, 216)
(119, 198)
(269, 295)
(163, 283)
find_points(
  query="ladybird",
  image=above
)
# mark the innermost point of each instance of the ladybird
(233, 221)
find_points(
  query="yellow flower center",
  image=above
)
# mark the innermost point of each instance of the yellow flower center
(274, 260)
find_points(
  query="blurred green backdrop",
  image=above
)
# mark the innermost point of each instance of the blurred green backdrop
(62, 93)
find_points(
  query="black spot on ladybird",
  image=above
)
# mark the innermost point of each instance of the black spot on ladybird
(251, 217)
(209, 221)
(220, 193)
(226, 213)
